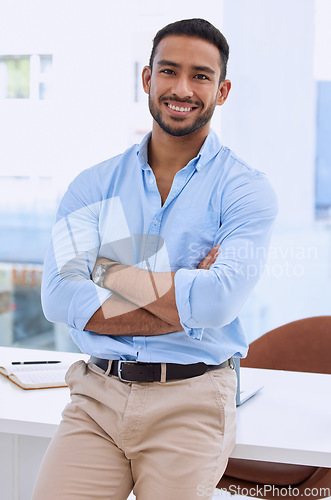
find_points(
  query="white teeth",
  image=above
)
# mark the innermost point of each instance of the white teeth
(177, 108)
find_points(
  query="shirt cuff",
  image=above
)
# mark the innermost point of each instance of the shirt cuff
(87, 299)
(184, 279)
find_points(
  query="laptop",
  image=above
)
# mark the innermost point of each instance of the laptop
(245, 389)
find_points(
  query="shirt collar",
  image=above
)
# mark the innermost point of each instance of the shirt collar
(208, 151)
(142, 151)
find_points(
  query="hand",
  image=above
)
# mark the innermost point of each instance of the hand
(210, 258)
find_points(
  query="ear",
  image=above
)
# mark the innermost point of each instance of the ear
(146, 78)
(223, 92)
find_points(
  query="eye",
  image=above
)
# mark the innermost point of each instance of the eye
(167, 71)
(201, 77)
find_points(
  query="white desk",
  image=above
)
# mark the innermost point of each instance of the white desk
(28, 419)
(32, 412)
(288, 421)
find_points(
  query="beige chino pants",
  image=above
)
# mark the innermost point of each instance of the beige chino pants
(167, 441)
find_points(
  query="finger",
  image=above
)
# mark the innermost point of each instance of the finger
(215, 256)
(207, 261)
(215, 249)
(212, 253)
(210, 258)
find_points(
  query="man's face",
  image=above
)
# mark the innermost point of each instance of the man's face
(184, 85)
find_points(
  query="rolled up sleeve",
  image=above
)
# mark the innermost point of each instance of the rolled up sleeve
(66, 299)
(213, 298)
(68, 294)
(184, 279)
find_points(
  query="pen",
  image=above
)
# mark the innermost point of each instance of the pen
(34, 362)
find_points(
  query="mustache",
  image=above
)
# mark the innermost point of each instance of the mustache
(178, 99)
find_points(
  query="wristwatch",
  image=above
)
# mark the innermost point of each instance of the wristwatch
(100, 272)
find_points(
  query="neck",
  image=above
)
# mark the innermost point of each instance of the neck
(169, 153)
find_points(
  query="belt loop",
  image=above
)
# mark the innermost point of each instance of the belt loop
(110, 362)
(163, 372)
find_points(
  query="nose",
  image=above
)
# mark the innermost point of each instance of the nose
(182, 88)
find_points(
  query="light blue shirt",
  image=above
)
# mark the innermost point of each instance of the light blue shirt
(114, 209)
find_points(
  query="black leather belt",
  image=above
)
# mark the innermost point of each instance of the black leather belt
(134, 371)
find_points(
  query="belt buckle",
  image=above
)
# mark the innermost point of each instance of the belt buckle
(119, 369)
(232, 363)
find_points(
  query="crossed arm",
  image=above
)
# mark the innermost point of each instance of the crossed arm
(143, 302)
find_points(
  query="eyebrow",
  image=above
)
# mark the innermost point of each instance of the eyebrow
(205, 69)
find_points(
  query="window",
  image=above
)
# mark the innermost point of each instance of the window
(27, 209)
(25, 76)
(15, 77)
(45, 76)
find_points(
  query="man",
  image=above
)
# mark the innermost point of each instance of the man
(153, 254)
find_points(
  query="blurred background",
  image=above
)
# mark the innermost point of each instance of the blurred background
(71, 96)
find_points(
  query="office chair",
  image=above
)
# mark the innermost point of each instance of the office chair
(304, 346)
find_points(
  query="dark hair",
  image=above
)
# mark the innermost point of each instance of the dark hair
(199, 28)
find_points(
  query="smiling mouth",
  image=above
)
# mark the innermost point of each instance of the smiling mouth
(179, 107)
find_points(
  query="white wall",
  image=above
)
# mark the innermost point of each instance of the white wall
(92, 115)
(322, 63)
(269, 119)
(87, 119)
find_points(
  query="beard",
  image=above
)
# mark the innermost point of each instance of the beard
(178, 131)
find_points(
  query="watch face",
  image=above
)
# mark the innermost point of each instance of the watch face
(97, 275)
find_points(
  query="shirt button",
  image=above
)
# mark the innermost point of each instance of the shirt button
(151, 181)
(139, 347)
(155, 222)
